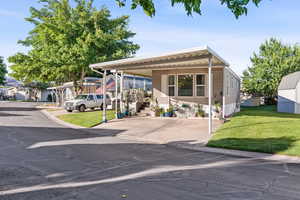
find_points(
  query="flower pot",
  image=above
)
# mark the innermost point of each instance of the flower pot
(120, 115)
(168, 114)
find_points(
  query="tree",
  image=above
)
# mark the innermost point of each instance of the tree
(65, 40)
(273, 61)
(237, 7)
(3, 71)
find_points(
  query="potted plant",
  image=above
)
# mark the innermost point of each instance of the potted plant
(170, 111)
(161, 112)
(119, 115)
(186, 110)
(187, 106)
(156, 110)
(200, 112)
(218, 109)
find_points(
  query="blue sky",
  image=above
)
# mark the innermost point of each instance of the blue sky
(170, 30)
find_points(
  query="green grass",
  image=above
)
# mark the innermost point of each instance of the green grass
(86, 119)
(260, 129)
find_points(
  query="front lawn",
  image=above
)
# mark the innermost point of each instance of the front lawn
(260, 129)
(86, 119)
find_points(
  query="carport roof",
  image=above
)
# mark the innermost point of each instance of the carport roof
(194, 57)
(289, 81)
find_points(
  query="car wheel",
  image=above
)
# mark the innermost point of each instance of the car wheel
(92, 108)
(81, 108)
(69, 110)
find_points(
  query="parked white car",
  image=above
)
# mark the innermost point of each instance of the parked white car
(85, 101)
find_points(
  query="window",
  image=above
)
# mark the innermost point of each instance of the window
(200, 85)
(81, 97)
(91, 98)
(100, 96)
(185, 85)
(171, 85)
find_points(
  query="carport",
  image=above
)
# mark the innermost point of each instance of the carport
(185, 61)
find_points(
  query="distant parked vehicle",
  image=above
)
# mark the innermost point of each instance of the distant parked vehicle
(85, 101)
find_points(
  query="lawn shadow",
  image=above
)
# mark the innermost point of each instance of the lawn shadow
(265, 145)
(265, 111)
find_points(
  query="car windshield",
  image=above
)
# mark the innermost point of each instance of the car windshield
(81, 97)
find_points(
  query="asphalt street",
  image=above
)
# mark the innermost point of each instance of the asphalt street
(42, 160)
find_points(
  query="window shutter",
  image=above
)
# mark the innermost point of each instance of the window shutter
(164, 85)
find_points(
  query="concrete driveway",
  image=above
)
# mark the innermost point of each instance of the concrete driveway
(42, 160)
(163, 130)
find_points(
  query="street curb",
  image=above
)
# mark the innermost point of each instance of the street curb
(59, 121)
(238, 153)
(193, 147)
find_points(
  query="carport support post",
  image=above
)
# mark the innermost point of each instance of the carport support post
(121, 92)
(209, 97)
(116, 97)
(104, 97)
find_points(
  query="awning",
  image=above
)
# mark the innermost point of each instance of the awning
(188, 58)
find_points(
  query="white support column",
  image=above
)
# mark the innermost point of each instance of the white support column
(116, 94)
(121, 92)
(104, 97)
(209, 96)
(224, 98)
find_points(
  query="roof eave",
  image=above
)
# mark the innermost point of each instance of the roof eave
(128, 60)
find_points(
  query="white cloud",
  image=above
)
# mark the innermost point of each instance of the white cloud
(9, 13)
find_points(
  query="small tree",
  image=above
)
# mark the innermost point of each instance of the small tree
(273, 61)
(3, 71)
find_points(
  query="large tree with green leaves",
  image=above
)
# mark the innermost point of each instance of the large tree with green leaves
(3, 71)
(66, 39)
(237, 7)
(273, 61)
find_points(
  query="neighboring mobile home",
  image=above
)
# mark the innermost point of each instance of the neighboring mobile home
(183, 77)
(289, 94)
(60, 94)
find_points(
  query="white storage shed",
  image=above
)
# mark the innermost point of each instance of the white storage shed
(289, 94)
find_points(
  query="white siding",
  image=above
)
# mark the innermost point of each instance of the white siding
(231, 93)
(297, 108)
(287, 101)
(298, 93)
(286, 95)
(164, 85)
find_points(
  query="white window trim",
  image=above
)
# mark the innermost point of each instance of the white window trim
(194, 85)
(175, 84)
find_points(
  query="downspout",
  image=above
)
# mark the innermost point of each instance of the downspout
(223, 97)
